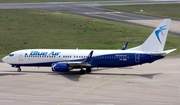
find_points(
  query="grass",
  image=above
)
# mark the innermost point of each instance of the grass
(162, 10)
(21, 29)
(31, 1)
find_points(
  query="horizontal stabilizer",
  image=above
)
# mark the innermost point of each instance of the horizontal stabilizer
(169, 51)
(163, 53)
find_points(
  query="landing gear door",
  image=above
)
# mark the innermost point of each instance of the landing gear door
(137, 58)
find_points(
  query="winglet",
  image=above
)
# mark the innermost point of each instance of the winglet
(89, 57)
(125, 46)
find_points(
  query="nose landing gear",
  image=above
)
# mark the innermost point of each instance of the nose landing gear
(19, 69)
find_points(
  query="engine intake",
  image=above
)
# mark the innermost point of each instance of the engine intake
(60, 67)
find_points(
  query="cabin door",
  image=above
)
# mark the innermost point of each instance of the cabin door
(20, 57)
(137, 58)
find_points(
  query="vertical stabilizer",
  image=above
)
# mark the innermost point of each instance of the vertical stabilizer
(156, 41)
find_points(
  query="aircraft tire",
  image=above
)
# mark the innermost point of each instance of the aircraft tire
(19, 70)
(82, 71)
(88, 70)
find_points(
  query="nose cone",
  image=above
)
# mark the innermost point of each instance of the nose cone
(5, 59)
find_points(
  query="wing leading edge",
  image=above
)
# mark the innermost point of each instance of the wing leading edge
(81, 63)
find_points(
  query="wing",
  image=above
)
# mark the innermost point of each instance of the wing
(81, 63)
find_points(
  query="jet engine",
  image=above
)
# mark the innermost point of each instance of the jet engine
(60, 67)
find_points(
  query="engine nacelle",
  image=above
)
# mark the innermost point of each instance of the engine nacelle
(60, 67)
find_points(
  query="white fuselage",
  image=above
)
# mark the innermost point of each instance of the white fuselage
(56, 55)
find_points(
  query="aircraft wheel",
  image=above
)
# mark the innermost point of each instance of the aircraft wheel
(19, 70)
(88, 70)
(82, 71)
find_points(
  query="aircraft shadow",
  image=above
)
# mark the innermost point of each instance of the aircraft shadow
(72, 75)
(29, 72)
(9, 74)
(149, 76)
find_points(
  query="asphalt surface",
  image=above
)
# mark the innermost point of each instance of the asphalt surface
(149, 84)
(92, 9)
(67, 6)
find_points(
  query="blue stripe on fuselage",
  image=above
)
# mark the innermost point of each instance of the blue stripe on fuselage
(110, 60)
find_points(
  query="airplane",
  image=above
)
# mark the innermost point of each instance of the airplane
(65, 60)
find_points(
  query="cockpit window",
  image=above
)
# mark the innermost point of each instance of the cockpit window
(11, 55)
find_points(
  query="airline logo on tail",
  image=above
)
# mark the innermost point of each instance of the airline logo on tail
(157, 32)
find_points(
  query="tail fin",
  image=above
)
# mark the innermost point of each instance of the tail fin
(156, 41)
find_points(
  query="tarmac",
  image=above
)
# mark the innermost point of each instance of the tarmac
(149, 84)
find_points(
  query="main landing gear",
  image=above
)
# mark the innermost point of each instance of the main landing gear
(19, 69)
(88, 70)
(82, 71)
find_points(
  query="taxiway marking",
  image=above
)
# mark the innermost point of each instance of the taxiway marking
(97, 76)
(83, 92)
